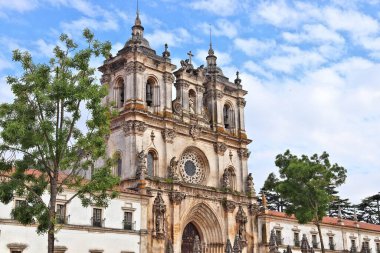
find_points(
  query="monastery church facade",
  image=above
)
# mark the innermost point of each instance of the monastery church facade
(189, 154)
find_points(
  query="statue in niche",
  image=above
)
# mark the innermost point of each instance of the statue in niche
(172, 169)
(250, 185)
(141, 165)
(192, 105)
(226, 179)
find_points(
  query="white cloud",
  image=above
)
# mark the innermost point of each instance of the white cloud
(45, 48)
(222, 27)
(4, 64)
(253, 46)
(256, 69)
(218, 7)
(95, 24)
(19, 5)
(317, 33)
(293, 58)
(173, 38)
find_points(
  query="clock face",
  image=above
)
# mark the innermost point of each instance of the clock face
(191, 167)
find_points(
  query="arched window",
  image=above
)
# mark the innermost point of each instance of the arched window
(119, 166)
(119, 93)
(151, 161)
(149, 92)
(228, 117)
(192, 101)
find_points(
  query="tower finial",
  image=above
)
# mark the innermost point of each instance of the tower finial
(210, 51)
(137, 8)
(137, 20)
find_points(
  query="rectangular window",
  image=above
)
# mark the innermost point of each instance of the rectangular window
(331, 243)
(296, 239)
(353, 244)
(378, 247)
(314, 241)
(278, 237)
(128, 221)
(61, 214)
(97, 217)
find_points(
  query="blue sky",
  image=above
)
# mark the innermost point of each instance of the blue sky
(311, 67)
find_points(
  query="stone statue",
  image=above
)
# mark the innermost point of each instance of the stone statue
(250, 185)
(159, 210)
(191, 105)
(141, 165)
(172, 169)
(226, 179)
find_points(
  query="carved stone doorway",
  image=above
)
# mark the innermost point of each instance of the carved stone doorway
(188, 237)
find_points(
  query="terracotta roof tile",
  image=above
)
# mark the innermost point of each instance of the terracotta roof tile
(333, 221)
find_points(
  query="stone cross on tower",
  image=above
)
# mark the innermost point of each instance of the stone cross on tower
(190, 55)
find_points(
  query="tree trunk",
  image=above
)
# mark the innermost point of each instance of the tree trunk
(52, 202)
(320, 237)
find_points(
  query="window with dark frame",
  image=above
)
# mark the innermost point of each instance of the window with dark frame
(97, 217)
(353, 245)
(314, 241)
(119, 166)
(128, 225)
(296, 239)
(278, 237)
(331, 243)
(378, 247)
(150, 163)
(61, 214)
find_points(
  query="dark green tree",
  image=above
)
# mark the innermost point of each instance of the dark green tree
(274, 201)
(304, 183)
(347, 210)
(43, 150)
(369, 209)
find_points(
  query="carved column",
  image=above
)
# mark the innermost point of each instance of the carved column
(168, 82)
(200, 91)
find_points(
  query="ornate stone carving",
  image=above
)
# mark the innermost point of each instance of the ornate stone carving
(243, 153)
(172, 169)
(195, 131)
(134, 67)
(177, 197)
(159, 210)
(253, 209)
(168, 135)
(273, 248)
(237, 247)
(241, 220)
(106, 78)
(197, 247)
(226, 179)
(250, 185)
(134, 127)
(241, 102)
(220, 148)
(168, 77)
(228, 248)
(141, 170)
(177, 107)
(200, 89)
(192, 167)
(218, 95)
(229, 206)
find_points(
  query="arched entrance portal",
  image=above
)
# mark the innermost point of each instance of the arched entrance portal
(188, 237)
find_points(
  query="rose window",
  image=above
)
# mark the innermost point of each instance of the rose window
(192, 167)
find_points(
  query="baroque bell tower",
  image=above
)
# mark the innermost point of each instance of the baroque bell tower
(189, 154)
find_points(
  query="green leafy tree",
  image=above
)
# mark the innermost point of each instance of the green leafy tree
(304, 183)
(43, 149)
